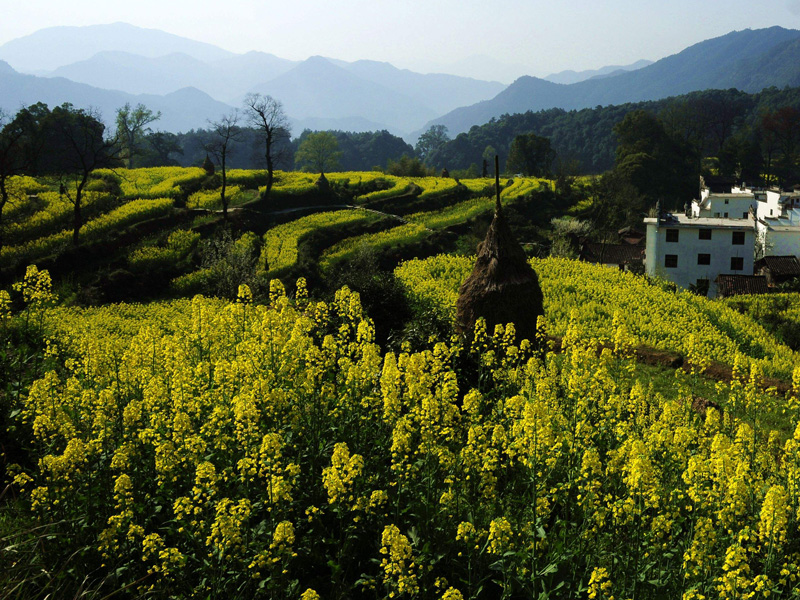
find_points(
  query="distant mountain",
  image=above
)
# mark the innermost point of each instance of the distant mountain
(346, 94)
(438, 91)
(748, 60)
(568, 77)
(53, 47)
(317, 88)
(485, 67)
(184, 109)
(223, 79)
(229, 79)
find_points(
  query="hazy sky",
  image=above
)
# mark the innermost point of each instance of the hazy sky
(543, 36)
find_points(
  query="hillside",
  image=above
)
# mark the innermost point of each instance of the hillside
(310, 422)
(587, 135)
(748, 60)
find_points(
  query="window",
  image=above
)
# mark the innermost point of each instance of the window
(703, 259)
(744, 215)
(726, 200)
(716, 214)
(737, 263)
(671, 261)
(705, 234)
(738, 238)
(726, 215)
(672, 235)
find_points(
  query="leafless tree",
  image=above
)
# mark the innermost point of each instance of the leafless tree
(266, 115)
(226, 132)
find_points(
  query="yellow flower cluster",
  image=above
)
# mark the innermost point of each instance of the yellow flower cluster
(398, 563)
(339, 477)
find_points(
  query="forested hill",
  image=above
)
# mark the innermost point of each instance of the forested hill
(748, 60)
(707, 119)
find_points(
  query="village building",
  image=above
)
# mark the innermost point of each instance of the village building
(721, 233)
(693, 251)
(778, 223)
(778, 269)
(734, 285)
(737, 204)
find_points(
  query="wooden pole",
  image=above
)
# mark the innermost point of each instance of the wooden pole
(499, 207)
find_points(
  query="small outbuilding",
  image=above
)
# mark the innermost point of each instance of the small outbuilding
(778, 269)
(736, 285)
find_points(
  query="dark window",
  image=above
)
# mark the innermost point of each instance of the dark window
(738, 238)
(672, 235)
(671, 261)
(737, 263)
(705, 234)
(726, 200)
(726, 215)
(703, 259)
(744, 215)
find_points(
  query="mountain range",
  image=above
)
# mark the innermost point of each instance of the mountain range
(191, 82)
(748, 60)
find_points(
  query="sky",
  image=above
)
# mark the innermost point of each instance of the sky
(533, 37)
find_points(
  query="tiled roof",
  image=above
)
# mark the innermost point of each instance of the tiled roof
(613, 254)
(732, 285)
(781, 266)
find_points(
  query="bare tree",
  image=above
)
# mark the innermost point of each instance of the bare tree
(266, 115)
(132, 125)
(76, 146)
(226, 132)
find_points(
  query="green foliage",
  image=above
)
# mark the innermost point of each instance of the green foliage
(531, 155)
(658, 165)
(178, 248)
(430, 142)
(777, 313)
(132, 126)
(318, 152)
(704, 119)
(407, 166)
(226, 263)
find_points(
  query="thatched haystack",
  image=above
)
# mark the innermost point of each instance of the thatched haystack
(323, 185)
(503, 288)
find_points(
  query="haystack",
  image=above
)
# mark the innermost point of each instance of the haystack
(503, 288)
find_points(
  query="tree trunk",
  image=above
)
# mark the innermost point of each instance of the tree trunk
(270, 166)
(76, 220)
(3, 202)
(270, 176)
(224, 186)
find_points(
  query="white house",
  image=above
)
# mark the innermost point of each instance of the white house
(694, 250)
(778, 223)
(735, 205)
